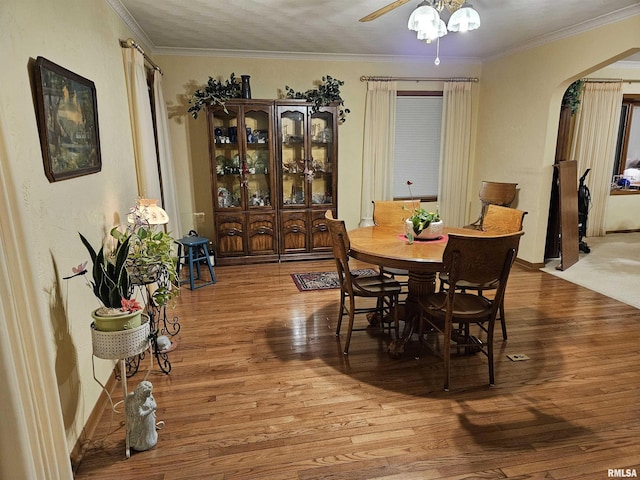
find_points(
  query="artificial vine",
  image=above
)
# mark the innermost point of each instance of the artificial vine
(327, 92)
(571, 96)
(215, 92)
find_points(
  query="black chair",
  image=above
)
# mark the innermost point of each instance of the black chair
(478, 260)
(384, 289)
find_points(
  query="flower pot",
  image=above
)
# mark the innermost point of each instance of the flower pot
(121, 344)
(432, 232)
(114, 323)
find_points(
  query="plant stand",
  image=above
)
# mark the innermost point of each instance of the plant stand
(120, 346)
(160, 324)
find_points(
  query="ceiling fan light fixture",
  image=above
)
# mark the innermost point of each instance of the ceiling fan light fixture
(464, 19)
(423, 18)
(426, 21)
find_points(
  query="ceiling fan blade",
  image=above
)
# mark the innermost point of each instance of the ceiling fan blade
(383, 10)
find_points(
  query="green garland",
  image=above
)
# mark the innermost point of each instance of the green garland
(326, 93)
(215, 92)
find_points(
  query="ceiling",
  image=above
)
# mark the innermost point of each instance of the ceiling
(309, 28)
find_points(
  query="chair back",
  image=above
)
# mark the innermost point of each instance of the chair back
(341, 245)
(481, 260)
(392, 212)
(502, 220)
(497, 193)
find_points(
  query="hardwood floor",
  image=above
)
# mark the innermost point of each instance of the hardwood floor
(260, 390)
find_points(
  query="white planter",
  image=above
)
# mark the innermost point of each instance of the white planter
(432, 232)
(121, 344)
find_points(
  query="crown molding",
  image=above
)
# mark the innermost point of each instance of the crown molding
(135, 28)
(602, 20)
(331, 57)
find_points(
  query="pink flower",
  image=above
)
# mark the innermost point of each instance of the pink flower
(130, 305)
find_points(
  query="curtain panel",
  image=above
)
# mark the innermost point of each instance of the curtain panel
(454, 153)
(378, 148)
(165, 157)
(144, 143)
(594, 145)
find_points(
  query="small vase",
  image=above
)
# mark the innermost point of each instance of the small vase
(246, 88)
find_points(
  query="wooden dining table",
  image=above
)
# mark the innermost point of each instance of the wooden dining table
(387, 246)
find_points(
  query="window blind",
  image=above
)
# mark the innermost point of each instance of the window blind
(417, 145)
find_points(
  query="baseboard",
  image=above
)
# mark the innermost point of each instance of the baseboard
(89, 429)
(624, 231)
(529, 265)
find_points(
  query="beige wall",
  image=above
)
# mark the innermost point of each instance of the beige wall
(82, 36)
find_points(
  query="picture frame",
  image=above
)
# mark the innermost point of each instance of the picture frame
(67, 114)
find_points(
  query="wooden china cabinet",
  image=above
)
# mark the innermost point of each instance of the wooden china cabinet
(274, 175)
(241, 150)
(307, 153)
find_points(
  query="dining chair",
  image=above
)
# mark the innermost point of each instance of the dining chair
(497, 221)
(394, 213)
(451, 313)
(493, 193)
(384, 289)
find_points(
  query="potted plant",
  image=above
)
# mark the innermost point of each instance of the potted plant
(423, 224)
(112, 286)
(150, 259)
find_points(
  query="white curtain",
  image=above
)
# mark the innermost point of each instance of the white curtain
(455, 152)
(379, 137)
(32, 437)
(169, 193)
(144, 143)
(594, 145)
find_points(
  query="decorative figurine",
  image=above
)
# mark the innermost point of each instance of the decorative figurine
(140, 408)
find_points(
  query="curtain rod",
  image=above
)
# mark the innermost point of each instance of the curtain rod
(610, 80)
(130, 43)
(419, 79)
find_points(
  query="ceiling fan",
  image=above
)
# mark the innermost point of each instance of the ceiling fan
(451, 5)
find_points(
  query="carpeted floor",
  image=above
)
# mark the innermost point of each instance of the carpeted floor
(324, 280)
(611, 268)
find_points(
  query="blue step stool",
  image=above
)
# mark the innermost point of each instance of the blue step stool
(195, 251)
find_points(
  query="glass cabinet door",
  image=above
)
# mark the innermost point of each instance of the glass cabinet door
(322, 158)
(293, 156)
(257, 174)
(227, 159)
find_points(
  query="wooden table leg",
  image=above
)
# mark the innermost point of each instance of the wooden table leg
(419, 284)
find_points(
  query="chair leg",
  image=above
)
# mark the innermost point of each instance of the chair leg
(352, 307)
(503, 321)
(396, 319)
(446, 352)
(341, 313)
(490, 353)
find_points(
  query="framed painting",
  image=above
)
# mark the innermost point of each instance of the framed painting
(67, 122)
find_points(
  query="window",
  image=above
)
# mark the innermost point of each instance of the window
(417, 144)
(628, 146)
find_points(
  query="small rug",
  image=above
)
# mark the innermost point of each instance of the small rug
(307, 282)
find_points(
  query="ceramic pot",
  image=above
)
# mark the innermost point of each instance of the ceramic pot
(115, 323)
(432, 232)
